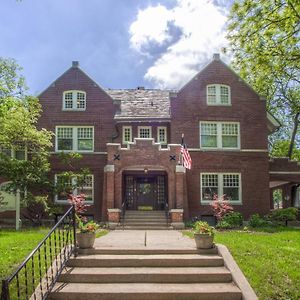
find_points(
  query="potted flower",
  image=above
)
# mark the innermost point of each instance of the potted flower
(87, 233)
(87, 229)
(204, 235)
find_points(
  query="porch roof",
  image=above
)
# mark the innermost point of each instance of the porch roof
(141, 103)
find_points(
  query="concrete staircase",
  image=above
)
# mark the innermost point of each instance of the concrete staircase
(141, 220)
(146, 274)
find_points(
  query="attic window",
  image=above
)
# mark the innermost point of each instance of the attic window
(74, 100)
(218, 94)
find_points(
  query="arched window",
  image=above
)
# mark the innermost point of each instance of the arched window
(218, 94)
(74, 100)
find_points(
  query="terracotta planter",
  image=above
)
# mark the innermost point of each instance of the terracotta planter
(85, 240)
(204, 241)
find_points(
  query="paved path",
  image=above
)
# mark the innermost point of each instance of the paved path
(135, 239)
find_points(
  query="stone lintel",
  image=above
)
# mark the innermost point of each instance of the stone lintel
(180, 169)
(109, 168)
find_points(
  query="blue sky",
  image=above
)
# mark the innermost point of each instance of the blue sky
(119, 43)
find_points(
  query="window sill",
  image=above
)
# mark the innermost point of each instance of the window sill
(218, 104)
(230, 202)
(73, 109)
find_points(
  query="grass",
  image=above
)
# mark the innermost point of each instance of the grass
(269, 258)
(16, 246)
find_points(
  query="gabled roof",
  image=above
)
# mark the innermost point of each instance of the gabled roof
(141, 103)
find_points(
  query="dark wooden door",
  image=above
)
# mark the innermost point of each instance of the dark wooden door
(145, 192)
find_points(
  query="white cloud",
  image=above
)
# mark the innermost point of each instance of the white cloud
(201, 24)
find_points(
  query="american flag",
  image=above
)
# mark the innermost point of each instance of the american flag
(186, 158)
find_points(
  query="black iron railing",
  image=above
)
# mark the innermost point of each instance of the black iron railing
(167, 213)
(123, 211)
(37, 274)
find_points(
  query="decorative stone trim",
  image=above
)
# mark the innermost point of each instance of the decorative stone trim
(176, 215)
(178, 225)
(113, 215)
(180, 169)
(109, 168)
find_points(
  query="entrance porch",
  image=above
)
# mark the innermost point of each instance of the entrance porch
(144, 176)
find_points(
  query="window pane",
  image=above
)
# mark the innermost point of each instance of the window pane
(85, 145)
(224, 95)
(231, 185)
(209, 186)
(80, 100)
(209, 135)
(64, 187)
(20, 154)
(229, 135)
(65, 138)
(87, 188)
(127, 134)
(229, 142)
(68, 100)
(162, 137)
(208, 141)
(85, 138)
(211, 95)
(144, 133)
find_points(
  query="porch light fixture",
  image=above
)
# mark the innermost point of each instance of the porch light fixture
(146, 170)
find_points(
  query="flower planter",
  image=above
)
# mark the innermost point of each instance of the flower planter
(85, 240)
(204, 241)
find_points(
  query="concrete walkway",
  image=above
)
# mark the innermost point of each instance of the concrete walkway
(135, 239)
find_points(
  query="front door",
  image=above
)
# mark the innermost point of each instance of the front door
(145, 193)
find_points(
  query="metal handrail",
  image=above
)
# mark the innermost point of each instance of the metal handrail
(167, 212)
(55, 249)
(123, 210)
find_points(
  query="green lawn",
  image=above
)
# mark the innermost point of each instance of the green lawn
(15, 246)
(270, 259)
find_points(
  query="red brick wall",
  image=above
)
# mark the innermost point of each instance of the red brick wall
(189, 108)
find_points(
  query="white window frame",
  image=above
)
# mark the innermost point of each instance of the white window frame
(75, 139)
(75, 191)
(219, 135)
(123, 134)
(221, 186)
(144, 127)
(13, 153)
(74, 99)
(166, 136)
(218, 95)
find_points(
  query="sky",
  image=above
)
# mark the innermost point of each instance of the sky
(119, 43)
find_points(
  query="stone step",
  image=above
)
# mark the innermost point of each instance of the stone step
(155, 260)
(143, 227)
(145, 291)
(146, 275)
(145, 223)
(153, 214)
(138, 251)
(148, 218)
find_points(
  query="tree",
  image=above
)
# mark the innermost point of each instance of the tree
(12, 83)
(264, 39)
(19, 136)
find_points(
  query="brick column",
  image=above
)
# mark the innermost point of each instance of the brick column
(177, 213)
(113, 214)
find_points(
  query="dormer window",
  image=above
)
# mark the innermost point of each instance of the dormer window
(218, 94)
(74, 100)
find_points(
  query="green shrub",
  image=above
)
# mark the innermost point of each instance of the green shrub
(231, 220)
(203, 228)
(257, 221)
(284, 215)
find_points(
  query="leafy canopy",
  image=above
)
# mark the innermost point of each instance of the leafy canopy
(264, 39)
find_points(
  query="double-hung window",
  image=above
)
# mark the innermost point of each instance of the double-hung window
(74, 138)
(74, 100)
(74, 185)
(219, 135)
(228, 184)
(144, 132)
(218, 94)
(127, 134)
(162, 135)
